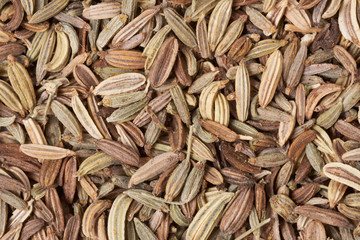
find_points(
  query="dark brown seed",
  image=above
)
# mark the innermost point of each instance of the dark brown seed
(177, 134)
(30, 228)
(240, 48)
(72, 228)
(70, 180)
(323, 215)
(328, 37)
(219, 130)
(16, 19)
(303, 194)
(287, 230)
(52, 200)
(237, 159)
(84, 76)
(238, 211)
(49, 171)
(234, 176)
(260, 199)
(14, 49)
(119, 151)
(164, 62)
(181, 71)
(8, 183)
(303, 170)
(300, 142)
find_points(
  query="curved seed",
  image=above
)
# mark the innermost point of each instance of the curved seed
(48, 11)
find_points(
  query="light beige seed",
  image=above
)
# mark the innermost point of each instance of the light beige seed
(218, 22)
(242, 92)
(117, 216)
(260, 21)
(45, 54)
(110, 30)
(343, 173)
(9, 98)
(154, 167)
(92, 213)
(270, 78)
(62, 52)
(102, 10)
(143, 231)
(147, 199)
(84, 117)
(121, 83)
(207, 217)
(45, 151)
(66, 118)
(133, 27)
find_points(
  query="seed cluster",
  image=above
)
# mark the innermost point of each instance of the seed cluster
(179, 119)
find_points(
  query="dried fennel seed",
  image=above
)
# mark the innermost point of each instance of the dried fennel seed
(179, 119)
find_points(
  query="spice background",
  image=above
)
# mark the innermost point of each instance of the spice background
(179, 119)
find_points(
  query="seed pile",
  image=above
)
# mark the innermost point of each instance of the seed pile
(179, 119)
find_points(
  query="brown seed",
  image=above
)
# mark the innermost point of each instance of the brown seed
(325, 216)
(348, 130)
(136, 134)
(164, 62)
(237, 159)
(14, 49)
(260, 199)
(72, 227)
(125, 59)
(70, 180)
(10, 184)
(350, 212)
(221, 131)
(84, 76)
(300, 142)
(316, 95)
(49, 171)
(234, 176)
(30, 228)
(181, 71)
(118, 151)
(284, 206)
(238, 211)
(16, 19)
(53, 202)
(315, 230)
(154, 167)
(300, 104)
(177, 135)
(305, 193)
